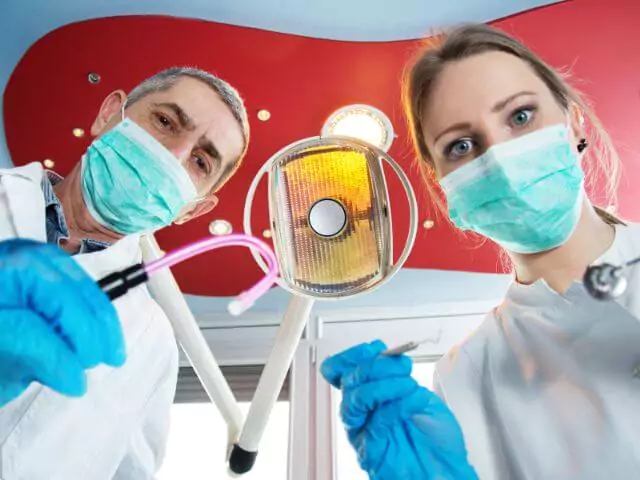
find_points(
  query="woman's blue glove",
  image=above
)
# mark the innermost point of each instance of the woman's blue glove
(400, 430)
(55, 322)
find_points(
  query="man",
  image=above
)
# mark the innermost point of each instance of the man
(104, 383)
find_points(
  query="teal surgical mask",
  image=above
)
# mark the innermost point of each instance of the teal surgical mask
(525, 194)
(131, 183)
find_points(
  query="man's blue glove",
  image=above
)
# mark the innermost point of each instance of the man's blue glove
(400, 430)
(55, 322)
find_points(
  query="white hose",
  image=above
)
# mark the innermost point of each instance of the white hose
(275, 371)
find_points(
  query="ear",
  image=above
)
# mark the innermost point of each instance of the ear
(577, 122)
(201, 208)
(111, 106)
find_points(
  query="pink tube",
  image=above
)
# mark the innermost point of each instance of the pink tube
(243, 301)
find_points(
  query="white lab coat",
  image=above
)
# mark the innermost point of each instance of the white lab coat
(548, 387)
(119, 428)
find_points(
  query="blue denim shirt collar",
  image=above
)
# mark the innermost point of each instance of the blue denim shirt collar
(57, 229)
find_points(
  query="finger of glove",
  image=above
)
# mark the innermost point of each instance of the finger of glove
(430, 411)
(358, 403)
(335, 367)
(48, 281)
(32, 352)
(443, 429)
(378, 369)
(101, 330)
(431, 421)
(406, 407)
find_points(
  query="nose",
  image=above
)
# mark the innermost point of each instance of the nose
(182, 152)
(182, 148)
(493, 134)
(183, 145)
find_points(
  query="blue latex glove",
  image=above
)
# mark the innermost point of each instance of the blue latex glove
(55, 322)
(400, 430)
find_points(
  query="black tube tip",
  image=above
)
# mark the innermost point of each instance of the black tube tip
(240, 460)
(120, 282)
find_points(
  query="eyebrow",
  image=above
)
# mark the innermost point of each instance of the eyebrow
(503, 103)
(183, 118)
(186, 123)
(495, 109)
(453, 128)
(210, 149)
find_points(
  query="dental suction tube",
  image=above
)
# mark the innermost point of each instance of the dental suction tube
(244, 453)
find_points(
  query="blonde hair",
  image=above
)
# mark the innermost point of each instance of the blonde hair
(469, 40)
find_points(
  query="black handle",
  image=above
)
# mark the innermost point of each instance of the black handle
(118, 283)
(241, 460)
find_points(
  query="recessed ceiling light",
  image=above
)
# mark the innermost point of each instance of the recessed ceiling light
(267, 233)
(264, 115)
(362, 122)
(78, 132)
(48, 163)
(93, 78)
(220, 227)
(428, 224)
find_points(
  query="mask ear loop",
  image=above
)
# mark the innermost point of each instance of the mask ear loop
(124, 105)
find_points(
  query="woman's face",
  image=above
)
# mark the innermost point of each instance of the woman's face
(484, 100)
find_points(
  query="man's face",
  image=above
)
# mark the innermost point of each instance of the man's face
(192, 122)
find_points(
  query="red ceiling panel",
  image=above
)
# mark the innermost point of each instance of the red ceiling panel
(301, 81)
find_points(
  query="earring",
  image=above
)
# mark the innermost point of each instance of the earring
(582, 145)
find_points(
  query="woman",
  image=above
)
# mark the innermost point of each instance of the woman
(547, 387)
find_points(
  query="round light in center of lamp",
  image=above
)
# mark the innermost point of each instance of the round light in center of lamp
(327, 217)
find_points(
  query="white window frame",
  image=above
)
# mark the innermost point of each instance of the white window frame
(248, 340)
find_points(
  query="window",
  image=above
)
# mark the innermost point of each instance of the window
(347, 467)
(197, 442)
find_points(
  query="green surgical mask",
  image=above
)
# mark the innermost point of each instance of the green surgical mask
(131, 183)
(525, 194)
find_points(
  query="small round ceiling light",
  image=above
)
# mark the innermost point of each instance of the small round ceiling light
(78, 132)
(48, 163)
(93, 78)
(220, 227)
(267, 233)
(362, 122)
(428, 224)
(264, 115)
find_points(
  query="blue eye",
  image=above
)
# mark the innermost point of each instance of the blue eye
(459, 148)
(522, 117)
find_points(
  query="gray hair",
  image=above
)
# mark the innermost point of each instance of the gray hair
(166, 79)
